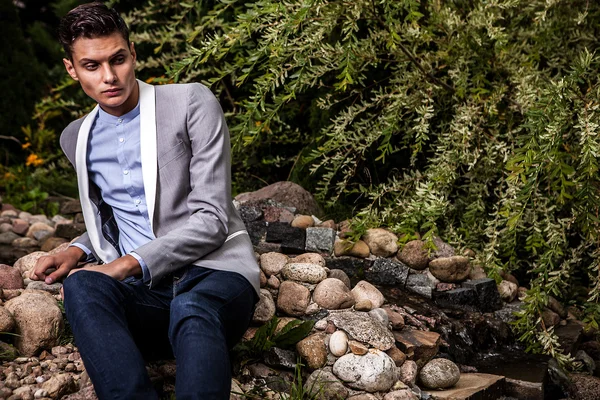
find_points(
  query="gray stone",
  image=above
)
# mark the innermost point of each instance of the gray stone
(362, 327)
(53, 288)
(380, 315)
(458, 299)
(439, 373)
(387, 272)
(353, 267)
(250, 214)
(339, 274)
(373, 372)
(486, 293)
(324, 384)
(265, 309)
(8, 237)
(320, 239)
(442, 249)
(304, 272)
(420, 284)
(280, 358)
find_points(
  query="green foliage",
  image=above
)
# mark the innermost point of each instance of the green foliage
(267, 337)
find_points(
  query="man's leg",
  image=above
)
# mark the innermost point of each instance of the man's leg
(100, 310)
(209, 314)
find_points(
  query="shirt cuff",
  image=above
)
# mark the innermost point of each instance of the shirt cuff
(88, 252)
(145, 272)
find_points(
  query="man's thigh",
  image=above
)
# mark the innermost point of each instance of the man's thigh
(205, 292)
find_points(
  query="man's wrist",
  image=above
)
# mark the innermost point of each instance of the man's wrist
(132, 265)
(77, 252)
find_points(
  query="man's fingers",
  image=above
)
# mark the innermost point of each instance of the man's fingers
(59, 273)
(38, 272)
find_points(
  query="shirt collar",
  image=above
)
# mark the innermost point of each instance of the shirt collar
(105, 117)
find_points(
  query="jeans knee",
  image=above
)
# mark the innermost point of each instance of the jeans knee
(192, 309)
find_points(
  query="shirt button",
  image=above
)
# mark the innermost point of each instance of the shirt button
(138, 201)
(121, 140)
(125, 171)
(120, 120)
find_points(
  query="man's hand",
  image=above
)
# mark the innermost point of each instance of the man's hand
(63, 262)
(119, 269)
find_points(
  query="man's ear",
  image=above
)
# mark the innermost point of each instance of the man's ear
(70, 69)
(132, 51)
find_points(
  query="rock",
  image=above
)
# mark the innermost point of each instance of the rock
(352, 266)
(550, 318)
(7, 322)
(486, 292)
(25, 242)
(422, 284)
(588, 362)
(509, 277)
(262, 279)
(387, 272)
(59, 385)
(333, 294)
(414, 255)
(338, 343)
(584, 387)
(363, 290)
(26, 263)
(363, 396)
(442, 249)
(463, 298)
(320, 239)
(292, 239)
(303, 221)
(273, 282)
(362, 327)
(53, 288)
(420, 346)
(558, 308)
(19, 226)
(328, 224)
(408, 373)
(341, 275)
(507, 290)
(363, 305)
(8, 212)
(343, 247)
(6, 227)
(280, 358)
(405, 394)
(70, 231)
(475, 386)
(357, 347)
(324, 384)
(373, 372)
(381, 242)
(250, 214)
(477, 273)
(39, 230)
(293, 298)
(10, 277)
(439, 373)
(8, 237)
(397, 355)
(59, 248)
(380, 315)
(70, 207)
(304, 272)
(38, 321)
(286, 193)
(450, 269)
(257, 231)
(569, 336)
(310, 258)
(313, 350)
(272, 263)
(265, 309)
(395, 318)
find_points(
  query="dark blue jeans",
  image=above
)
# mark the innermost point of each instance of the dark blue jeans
(117, 325)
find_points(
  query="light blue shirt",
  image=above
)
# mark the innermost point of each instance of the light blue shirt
(114, 165)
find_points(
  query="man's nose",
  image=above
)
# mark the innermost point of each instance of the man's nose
(109, 74)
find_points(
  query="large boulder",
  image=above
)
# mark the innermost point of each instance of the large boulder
(333, 294)
(38, 321)
(439, 373)
(10, 278)
(287, 193)
(450, 269)
(381, 242)
(324, 384)
(293, 298)
(364, 328)
(373, 372)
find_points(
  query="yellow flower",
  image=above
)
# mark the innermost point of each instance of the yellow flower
(26, 145)
(8, 176)
(34, 160)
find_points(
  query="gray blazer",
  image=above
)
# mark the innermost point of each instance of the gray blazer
(187, 182)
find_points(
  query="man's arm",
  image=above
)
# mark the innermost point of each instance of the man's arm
(210, 197)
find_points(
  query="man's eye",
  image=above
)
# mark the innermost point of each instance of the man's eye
(91, 67)
(119, 60)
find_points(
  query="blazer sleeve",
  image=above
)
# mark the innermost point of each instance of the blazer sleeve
(210, 196)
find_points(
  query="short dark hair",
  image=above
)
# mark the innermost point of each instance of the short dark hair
(90, 21)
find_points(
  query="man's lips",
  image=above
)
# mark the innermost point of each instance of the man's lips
(112, 91)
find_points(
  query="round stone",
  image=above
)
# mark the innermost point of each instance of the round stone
(338, 343)
(304, 272)
(439, 373)
(333, 294)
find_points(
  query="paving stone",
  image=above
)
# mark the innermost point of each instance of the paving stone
(353, 267)
(320, 239)
(471, 386)
(295, 243)
(458, 299)
(486, 292)
(385, 271)
(250, 214)
(420, 284)
(420, 346)
(256, 231)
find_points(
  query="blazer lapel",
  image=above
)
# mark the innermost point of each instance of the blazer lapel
(105, 251)
(148, 146)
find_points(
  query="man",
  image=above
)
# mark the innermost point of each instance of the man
(175, 263)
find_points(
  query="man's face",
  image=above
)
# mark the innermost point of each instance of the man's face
(104, 66)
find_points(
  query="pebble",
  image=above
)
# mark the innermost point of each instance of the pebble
(338, 343)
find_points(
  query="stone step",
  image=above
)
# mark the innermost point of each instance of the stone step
(472, 386)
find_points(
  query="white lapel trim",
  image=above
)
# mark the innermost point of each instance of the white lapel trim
(148, 145)
(105, 251)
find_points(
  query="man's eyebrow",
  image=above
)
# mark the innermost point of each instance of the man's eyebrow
(87, 60)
